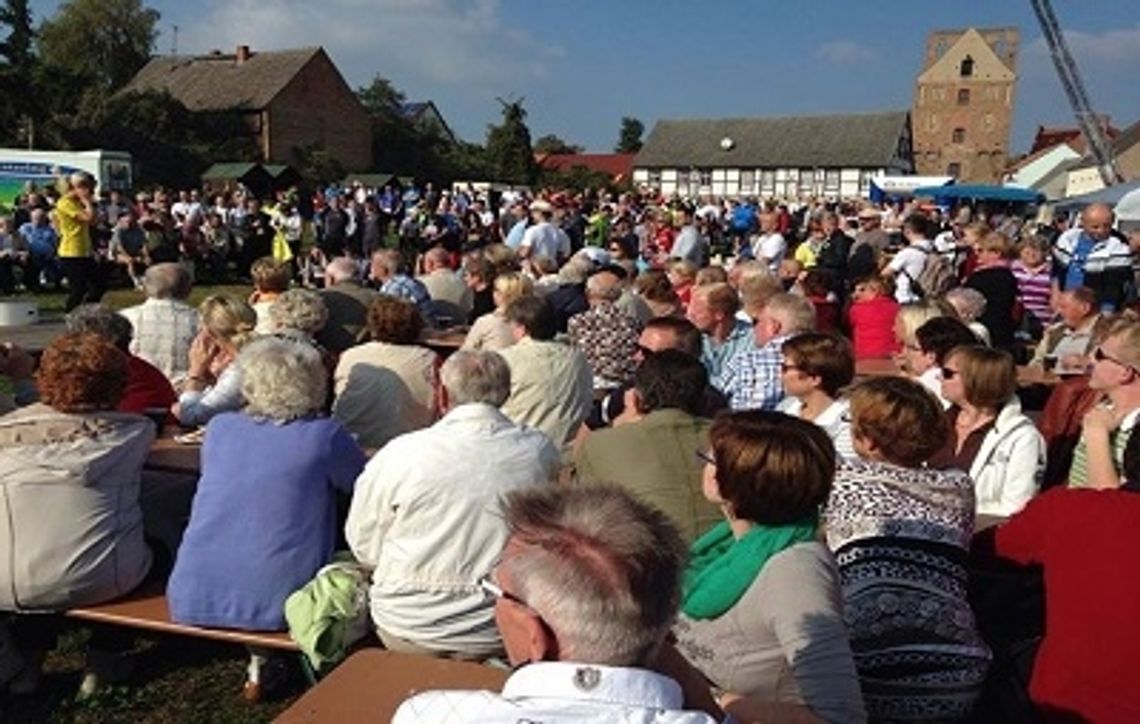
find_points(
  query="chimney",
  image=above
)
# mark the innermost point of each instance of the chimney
(242, 54)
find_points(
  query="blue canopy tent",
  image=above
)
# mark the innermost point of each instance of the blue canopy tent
(945, 195)
(884, 188)
(1110, 196)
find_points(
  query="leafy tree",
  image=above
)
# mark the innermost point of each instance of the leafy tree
(551, 143)
(380, 97)
(509, 155)
(17, 68)
(104, 42)
(316, 165)
(629, 138)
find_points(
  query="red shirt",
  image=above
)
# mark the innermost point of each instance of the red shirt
(147, 388)
(1088, 545)
(873, 327)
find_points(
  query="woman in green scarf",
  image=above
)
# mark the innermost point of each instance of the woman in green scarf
(762, 617)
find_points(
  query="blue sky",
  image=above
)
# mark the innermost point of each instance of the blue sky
(583, 64)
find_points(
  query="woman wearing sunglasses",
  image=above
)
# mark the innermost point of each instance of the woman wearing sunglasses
(990, 438)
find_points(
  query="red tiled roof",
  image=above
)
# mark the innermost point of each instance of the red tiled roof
(617, 165)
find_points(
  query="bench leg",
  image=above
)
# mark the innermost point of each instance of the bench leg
(252, 689)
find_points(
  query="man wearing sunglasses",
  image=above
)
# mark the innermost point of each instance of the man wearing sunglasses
(1115, 373)
(585, 593)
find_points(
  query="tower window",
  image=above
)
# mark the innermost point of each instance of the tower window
(954, 169)
(963, 96)
(967, 67)
(958, 136)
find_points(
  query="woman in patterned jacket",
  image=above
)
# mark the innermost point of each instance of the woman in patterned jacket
(900, 531)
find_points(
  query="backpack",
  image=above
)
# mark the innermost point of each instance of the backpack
(938, 276)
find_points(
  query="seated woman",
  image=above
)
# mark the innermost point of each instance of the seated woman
(871, 319)
(816, 367)
(492, 330)
(270, 280)
(71, 526)
(264, 516)
(298, 315)
(970, 305)
(388, 386)
(989, 436)
(933, 341)
(900, 531)
(213, 384)
(761, 615)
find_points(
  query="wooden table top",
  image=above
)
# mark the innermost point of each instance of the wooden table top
(174, 457)
(1026, 374)
(372, 683)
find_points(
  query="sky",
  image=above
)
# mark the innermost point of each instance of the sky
(581, 65)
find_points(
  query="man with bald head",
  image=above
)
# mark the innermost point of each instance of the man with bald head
(451, 298)
(347, 301)
(164, 325)
(604, 333)
(1092, 255)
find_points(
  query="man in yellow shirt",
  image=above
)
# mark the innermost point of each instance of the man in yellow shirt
(74, 214)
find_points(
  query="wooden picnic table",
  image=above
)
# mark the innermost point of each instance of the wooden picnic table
(170, 456)
(444, 341)
(372, 683)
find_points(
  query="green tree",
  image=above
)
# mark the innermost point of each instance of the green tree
(104, 42)
(629, 138)
(316, 165)
(17, 69)
(551, 143)
(509, 155)
(380, 97)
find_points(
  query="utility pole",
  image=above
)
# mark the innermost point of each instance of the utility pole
(174, 41)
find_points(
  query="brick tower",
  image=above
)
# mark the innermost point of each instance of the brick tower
(963, 103)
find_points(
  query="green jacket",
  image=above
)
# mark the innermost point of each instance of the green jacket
(655, 459)
(330, 612)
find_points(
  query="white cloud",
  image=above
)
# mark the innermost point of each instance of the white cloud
(846, 52)
(1115, 49)
(462, 43)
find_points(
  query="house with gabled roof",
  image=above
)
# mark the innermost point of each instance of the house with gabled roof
(790, 157)
(426, 116)
(290, 99)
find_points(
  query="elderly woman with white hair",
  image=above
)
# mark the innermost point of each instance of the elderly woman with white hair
(298, 314)
(970, 304)
(264, 516)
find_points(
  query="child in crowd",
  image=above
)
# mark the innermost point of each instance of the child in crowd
(872, 319)
(1032, 270)
(813, 285)
(683, 276)
(270, 279)
(313, 268)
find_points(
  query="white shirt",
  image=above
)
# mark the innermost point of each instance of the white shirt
(770, 248)
(907, 266)
(425, 517)
(163, 331)
(835, 421)
(546, 239)
(560, 691)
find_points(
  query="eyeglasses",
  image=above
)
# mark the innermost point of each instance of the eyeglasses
(1099, 355)
(949, 374)
(704, 457)
(496, 591)
(785, 366)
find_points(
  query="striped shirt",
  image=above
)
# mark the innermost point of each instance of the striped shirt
(1033, 289)
(1118, 439)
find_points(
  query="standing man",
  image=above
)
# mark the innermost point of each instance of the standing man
(770, 246)
(544, 238)
(1091, 256)
(74, 215)
(689, 245)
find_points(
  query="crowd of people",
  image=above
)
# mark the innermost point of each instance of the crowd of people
(648, 466)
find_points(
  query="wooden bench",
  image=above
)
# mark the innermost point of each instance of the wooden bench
(147, 609)
(371, 684)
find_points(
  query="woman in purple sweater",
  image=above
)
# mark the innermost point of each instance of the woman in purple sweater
(264, 516)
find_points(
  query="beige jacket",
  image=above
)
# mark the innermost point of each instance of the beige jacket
(71, 528)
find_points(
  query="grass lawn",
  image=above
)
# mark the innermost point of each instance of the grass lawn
(176, 679)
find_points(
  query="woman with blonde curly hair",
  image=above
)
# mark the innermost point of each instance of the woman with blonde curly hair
(213, 384)
(270, 474)
(492, 331)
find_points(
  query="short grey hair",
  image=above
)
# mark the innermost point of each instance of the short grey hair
(794, 312)
(167, 281)
(604, 286)
(282, 379)
(300, 309)
(602, 568)
(341, 269)
(969, 303)
(103, 321)
(476, 376)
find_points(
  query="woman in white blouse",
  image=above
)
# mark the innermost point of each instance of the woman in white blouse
(815, 368)
(492, 331)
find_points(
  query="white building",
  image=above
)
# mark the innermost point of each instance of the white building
(833, 156)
